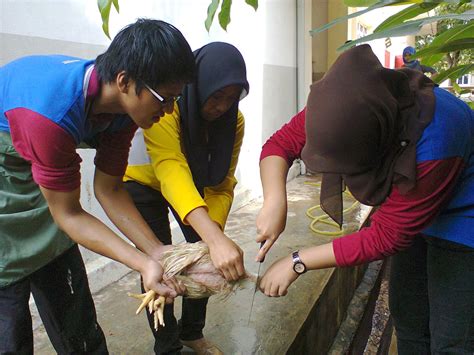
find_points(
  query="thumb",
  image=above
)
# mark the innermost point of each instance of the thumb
(264, 250)
(165, 291)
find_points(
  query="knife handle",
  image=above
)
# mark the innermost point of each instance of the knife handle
(261, 246)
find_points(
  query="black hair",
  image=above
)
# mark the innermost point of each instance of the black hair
(149, 51)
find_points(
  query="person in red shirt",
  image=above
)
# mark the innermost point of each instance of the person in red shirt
(49, 105)
(400, 144)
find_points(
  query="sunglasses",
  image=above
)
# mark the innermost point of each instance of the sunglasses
(163, 100)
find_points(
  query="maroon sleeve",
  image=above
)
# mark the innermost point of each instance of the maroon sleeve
(51, 150)
(112, 152)
(401, 217)
(288, 141)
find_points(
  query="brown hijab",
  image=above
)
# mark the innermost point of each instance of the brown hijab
(362, 125)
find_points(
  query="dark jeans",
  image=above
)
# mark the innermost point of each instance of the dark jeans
(62, 296)
(154, 209)
(432, 297)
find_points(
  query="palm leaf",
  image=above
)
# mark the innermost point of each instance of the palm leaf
(359, 3)
(345, 18)
(405, 29)
(452, 46)
(454, 72)
(458, 32)
(406, 14)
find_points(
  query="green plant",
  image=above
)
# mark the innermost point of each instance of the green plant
(224, 13)
(104, 8)
(450, 49)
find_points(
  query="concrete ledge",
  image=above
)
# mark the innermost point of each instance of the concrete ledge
(305, 321)
(323, 321)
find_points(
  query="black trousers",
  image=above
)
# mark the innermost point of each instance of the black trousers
(432, 297)
(62, 296)
(154, 209)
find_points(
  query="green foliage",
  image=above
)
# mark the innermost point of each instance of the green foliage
(345, 18)
(451, 46)
(253, 3)
(454, 72)
(211, 11)
(224, 15)
(404, 29)
(450, 50)
(104, 8)
(452, 34)
(359, 3)
(406, 14)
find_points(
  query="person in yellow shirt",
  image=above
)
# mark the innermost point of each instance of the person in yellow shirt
(186, 163)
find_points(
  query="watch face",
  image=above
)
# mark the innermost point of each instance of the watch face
(299, 268)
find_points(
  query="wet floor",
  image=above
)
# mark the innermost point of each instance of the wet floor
(274, 324)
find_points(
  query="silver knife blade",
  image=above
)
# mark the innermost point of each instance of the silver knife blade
(256, 285)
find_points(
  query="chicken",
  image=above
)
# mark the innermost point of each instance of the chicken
(190, 263)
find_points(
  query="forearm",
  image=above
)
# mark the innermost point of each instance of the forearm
(88, 231)
(226, 256)
(273, 173)
(91, 233)
(318, 257)
(219, 200)
(204, 226)
(121, 210)
(129, 220)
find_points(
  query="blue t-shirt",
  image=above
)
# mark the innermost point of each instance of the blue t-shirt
(451, 134)
(54, 87)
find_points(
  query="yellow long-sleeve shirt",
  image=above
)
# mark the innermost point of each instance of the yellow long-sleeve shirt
(165, 169)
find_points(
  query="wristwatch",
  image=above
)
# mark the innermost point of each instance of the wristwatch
(298, 266)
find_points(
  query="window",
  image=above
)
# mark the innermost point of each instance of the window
(463, 80)
(361, 30)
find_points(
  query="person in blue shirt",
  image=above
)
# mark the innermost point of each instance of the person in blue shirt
(415, 64)
(49, 105)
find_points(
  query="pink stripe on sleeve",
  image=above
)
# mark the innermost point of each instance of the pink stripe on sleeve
(112, 153)
(288, 141)
(51, 150)
(401, 217)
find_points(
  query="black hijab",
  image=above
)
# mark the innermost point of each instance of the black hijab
(208, 146)
(363, 122)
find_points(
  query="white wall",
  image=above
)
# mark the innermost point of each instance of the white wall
(266, 38)
(373, 19)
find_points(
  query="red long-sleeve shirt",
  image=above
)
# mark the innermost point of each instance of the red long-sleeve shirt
(399, 219)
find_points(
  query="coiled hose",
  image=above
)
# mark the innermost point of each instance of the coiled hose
(324, 218)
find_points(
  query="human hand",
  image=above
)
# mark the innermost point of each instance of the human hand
(157, 253)
(278, 278)
(227, 257)
(152, 275)
(271, 222)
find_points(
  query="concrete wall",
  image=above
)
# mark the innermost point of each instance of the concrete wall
(304, 50)
(319, 41)
(337, 34)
